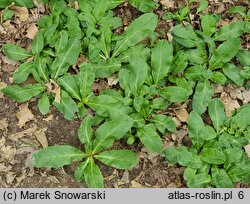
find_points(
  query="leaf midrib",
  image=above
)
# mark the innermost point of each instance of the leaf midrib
(114, 54)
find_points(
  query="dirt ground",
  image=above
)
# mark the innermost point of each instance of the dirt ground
(23, 129)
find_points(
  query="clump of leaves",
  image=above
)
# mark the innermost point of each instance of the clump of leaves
(151, 77)
(217, 157)
(94, 143)
(183, 12)
(145, 6)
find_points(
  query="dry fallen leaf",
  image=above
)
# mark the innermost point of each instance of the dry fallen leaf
(176, 121)
(2, 85)
(9, 61)
(10, 176)
(55, 88)
(41, 137)
(24, 115)
(49, 118)
(246, 96)
(229, 104)
(9, 153)
(4, 168)
(32, 31)
(168, 3)
(247, 149)
(181, 114)
(21, 12)
(40, 6)
(135, 184)
(8, 68)
(9, 28)
(2, 31)
(19, 179)
(18, 135)
(3, 124)
(125, 177)
(113, 80)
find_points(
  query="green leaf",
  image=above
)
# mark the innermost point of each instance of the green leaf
(197, 55)
(7, 14)
(67, 106)
(4, 3)
(79, 172)
(196, 73)
(164, 123)
(240, 171)
(105, 68)
(119, 159)
(44, 104)
(217, 113)
(241, 119)
(15, 53)
(185, 36)
(68, 56)
(150, 138)
(114, 3)
(86, 79)
(24, 3)
(57, 156)
(159, 104)
(244, 57)
(220, 178)
(22, 94)
(195, 129)
(208, 24)
(218, 78)
(230, 32)
(208, 133)
(138, 74)
(202, 96)
(161, 58)
(93, 175)
(138, 30)
(174, 93)
(208, 40)
(189, 173)
(238, 9)
(173, 153)
(108, 106)
(224, 53)
(233, 155)
(23, 71)
(110, 131)
(145, 6)
(190, 159)
(37, 44)
(69, 83)
(212, 156)
(180, 62)
(62, 41)
(199, 180)
(85, 132)
(202, 6)
(41, 67)
(57, 6)
(233, 73)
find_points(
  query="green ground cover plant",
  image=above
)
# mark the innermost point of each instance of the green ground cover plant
(153, 74)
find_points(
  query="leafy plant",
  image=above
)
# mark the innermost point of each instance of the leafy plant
(152, 74)
(240, 10)
(94, 143)
(144, 6)
(216, 158)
